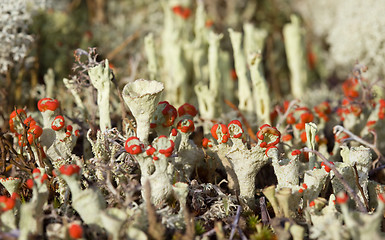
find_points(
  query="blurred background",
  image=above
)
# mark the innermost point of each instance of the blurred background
(39, 35)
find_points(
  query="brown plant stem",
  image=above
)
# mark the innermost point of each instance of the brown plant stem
(339, 129)
(111, 55)
(348, 189)
(360, 188)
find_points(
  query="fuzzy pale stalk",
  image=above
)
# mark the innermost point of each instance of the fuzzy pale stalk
(100, 77)
(31, 220)
(88, 203)
(311, 131)
(149, 48)
(181, 192)
(214, 74)
(360, 158)
(49, 80)
(161, 187)
(228, 84)
(208, 96)
(244, 88)
(176, 76)
(76, 96)
(295, 53)
(260, 89)
(246, 164)
(297, 232)
(141, 97)
(246, 178)
(254, 42)
(269, 193)
(199, 56)
(283, 197)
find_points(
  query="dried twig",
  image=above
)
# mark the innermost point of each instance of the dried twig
(360, 188)
(234, 225)
(348, 189)
(338, 129)
(264, 213)
(282, 118)
(111, 55)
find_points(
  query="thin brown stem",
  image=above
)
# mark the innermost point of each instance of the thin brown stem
(360, 188)
(338, 129)
(348, 189)
(282, 118)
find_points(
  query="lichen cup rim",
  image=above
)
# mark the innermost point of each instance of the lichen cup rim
(131, 88)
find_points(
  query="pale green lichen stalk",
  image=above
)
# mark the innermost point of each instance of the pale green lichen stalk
(295, 52)
(101, 76)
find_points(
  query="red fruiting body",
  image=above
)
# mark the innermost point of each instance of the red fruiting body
(29, 183)
(186, 126)
(169, 113)
(381, 197)
(206, 143)
(187, 109)
(233, 75)
(341, 137)
(15, 196)
(296, 152)
(286, 137)
(369, 124)
(290, 119)
(6, 203)
(77, 133)
(323, 110)
(224, 130)
(304, 186)
(381, 111)
(303, 137)
(327, 168)
(36, 170)
(75, 231)
(69, 170)
(350, 88)
(306, 117)
(183, 12)
(168, 151)
(342, 198)
(58, 123)
(232, 125)
(69, 128)
(312, 204)
(47, 104)
(174, 132)
(155, 158)
(29, 121)
(264, 134)
(133, 146)
(33, 133)
(150, 150)
(300, 126)
(300, 190)
(209, 23)
(13, 117)
(44, 177)
(17, 112)
(267, 149)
